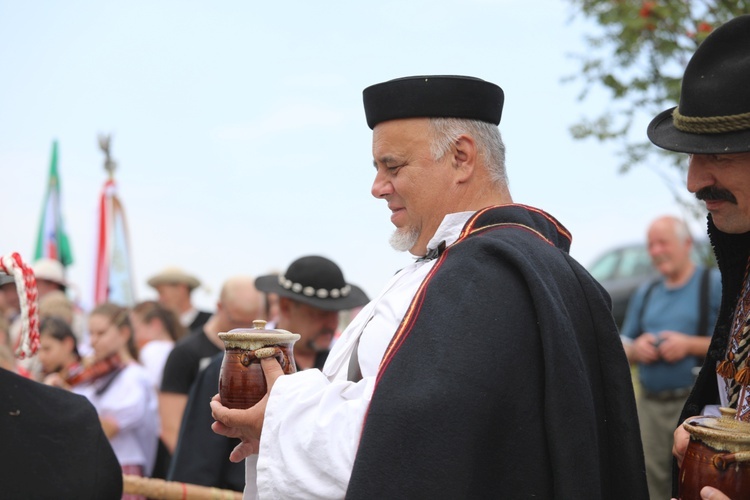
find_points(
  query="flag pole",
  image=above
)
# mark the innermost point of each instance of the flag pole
(109, 164)
(113, 282)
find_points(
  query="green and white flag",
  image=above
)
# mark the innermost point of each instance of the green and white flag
(52, 241)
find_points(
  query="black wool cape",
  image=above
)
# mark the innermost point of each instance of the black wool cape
(506, 379)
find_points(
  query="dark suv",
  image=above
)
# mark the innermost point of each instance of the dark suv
(623, 269)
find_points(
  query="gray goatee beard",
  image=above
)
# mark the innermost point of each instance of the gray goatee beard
(403, 240)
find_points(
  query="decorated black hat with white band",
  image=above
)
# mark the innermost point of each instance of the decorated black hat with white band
(315, 281)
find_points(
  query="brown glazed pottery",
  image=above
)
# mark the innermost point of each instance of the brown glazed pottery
(717, 455)
(242, 383)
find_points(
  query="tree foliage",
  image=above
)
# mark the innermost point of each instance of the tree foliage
(637, 55)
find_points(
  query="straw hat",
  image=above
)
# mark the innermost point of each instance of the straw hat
(174, 276)
(50, 270)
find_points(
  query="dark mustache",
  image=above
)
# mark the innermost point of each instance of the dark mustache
(313, 343)
(712, 193)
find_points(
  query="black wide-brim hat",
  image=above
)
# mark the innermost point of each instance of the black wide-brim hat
(315, 281)
(433, 96)
(713, 116)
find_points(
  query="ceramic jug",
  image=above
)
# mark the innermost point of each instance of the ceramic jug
(242, 382)
(717, 455)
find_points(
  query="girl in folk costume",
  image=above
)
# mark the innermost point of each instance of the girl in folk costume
(155, 330)
(58, 351)
(121, 391)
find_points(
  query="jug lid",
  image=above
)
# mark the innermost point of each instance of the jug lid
(239, 337)
(722, 433)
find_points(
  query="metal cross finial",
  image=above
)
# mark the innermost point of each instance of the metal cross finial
(109, 164)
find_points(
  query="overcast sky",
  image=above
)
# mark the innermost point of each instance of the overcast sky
(240, 136)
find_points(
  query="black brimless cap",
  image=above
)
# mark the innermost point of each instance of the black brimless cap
(433, 97)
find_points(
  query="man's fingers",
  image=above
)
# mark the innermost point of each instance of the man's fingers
(709, 493)
(681, 439)
(215, 405)
(272, 370)
(227, 416)
(223, 430)
(243, 450)
(217, 409)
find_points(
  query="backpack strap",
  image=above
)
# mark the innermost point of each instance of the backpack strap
(650, 289)
(703, 303)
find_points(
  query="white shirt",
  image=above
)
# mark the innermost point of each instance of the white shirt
(314, 419)
(188, 317)
(153, 356)
(713, 410)
(132, 402)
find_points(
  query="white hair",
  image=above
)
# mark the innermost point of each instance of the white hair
(486, 136)
(681, 229)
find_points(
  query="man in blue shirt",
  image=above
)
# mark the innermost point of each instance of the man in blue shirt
(666, 332)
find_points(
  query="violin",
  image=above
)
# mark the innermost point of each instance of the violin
(89, 371)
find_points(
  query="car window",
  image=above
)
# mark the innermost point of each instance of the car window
(605, 267)
(623, 269)
(635, 261)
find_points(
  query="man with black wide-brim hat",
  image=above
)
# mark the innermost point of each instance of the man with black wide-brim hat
(312, 292)
(485, 364)
(712, 124)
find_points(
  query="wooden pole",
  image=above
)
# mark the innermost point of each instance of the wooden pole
(159, 489)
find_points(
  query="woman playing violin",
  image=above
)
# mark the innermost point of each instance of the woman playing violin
(58, 351)
(121, 391)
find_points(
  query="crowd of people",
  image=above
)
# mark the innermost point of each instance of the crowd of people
(489, 367)
(137, 365)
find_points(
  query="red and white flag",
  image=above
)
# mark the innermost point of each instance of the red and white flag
(113, 276)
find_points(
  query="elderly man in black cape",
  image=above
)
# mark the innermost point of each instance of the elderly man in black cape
(712, 125)
(490, 367)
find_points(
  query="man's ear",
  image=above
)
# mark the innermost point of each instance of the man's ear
(285, 304)
(464, 157)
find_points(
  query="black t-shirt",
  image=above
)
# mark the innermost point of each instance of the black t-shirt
(189, 356)
(200, 319)
(210, 466)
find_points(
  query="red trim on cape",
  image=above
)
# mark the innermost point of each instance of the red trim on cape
(416, 304)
